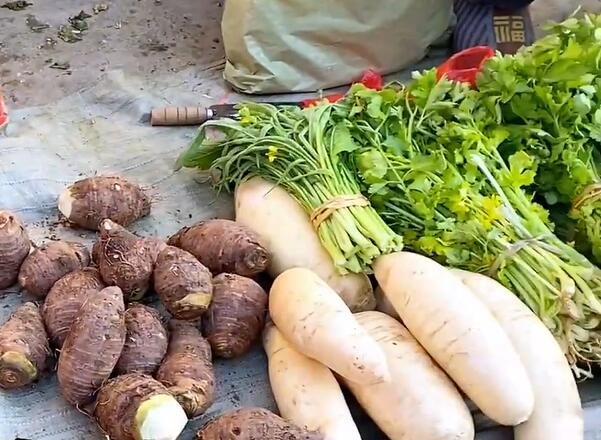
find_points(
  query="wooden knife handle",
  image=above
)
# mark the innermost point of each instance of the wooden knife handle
(179, 116)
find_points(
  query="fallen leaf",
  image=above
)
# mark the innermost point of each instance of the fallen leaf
(80, 25)
(18, 5)
(50, 43)
(60, 66)
(34, 24)
(69, 34)
(100, 7)
(81, 16)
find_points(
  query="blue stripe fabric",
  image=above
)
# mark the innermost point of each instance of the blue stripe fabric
(474, 25)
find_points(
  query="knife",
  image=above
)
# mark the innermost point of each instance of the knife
(199, 115)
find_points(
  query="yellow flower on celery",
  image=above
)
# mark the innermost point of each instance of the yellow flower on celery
(272, 154)
(492, 211)
(458, 200)
(245, 117)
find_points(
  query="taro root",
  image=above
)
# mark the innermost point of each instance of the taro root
(64, 300)
(254, 424)
(96, 250)
(236, 315)
(137, 407)
(223, 246)
(184, 285)
(14, 247)
(187, 370)
(145, 341)
(89, 201)
(24, 349)
(49, 263)
(125, 260)
(93, 346)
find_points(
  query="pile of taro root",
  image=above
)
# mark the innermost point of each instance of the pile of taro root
(139, 374)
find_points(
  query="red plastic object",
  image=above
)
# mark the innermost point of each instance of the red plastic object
(314, 101)
(3, 113)
(464, 66)
(370, 79)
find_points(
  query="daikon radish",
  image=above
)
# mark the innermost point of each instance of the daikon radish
(383, 304)
(460, 333)
(316, 321)
(306, 392)
(286, 232)
(557, 409)
(420, 402)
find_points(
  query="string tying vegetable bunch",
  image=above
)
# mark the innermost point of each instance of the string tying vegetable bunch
(549, 98)
(301, 151)
(429, 159)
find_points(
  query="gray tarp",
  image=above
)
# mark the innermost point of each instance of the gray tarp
(67, 126)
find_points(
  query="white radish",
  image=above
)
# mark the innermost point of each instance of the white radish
(557, 411)
(316, 321)
(383, 304)
(421, 402)
(287, 233)
(306, 392)
(460, 333)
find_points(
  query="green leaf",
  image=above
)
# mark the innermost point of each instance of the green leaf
(428, 163)
(355, 110)
(374, 108)
(377, 188)
(589, 90)
(582, 104)
(595, 133)
(421, 183)
(551, 197)
(388, 95)
(373, 166)
(521, 170)
(343, 141)
(564, 70)
(395, 145)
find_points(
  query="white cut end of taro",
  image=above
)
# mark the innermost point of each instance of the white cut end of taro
(65, 203)
(106, 224)
(160, 418)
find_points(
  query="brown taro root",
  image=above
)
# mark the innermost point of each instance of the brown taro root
(49, 263)
(125, 260)
(184, 285)
(254, 424)
(187, 370)
(89, 201)
(236, 315)
(137, 407)
(93, 346)
(188, 339)
(223, 246)
(64, 300)
(96, 250)
(145, 341)
(24, 349)
(14, 247)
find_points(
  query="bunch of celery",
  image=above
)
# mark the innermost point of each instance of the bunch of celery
(549, 98)
(429, 159)
(306, 154)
